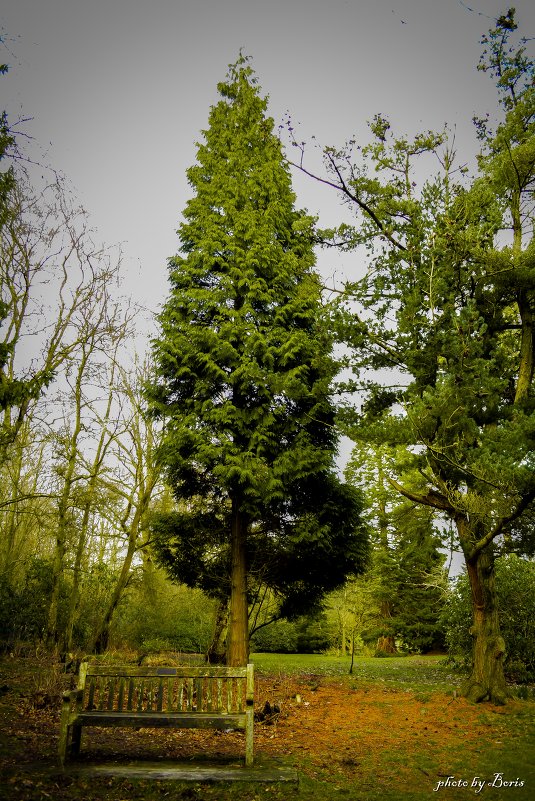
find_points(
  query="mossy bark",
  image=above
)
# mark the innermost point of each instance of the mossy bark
(487, 679)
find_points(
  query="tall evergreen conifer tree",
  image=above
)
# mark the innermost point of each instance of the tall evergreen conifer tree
(243, 361)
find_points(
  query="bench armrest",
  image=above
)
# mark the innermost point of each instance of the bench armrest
(70, 696)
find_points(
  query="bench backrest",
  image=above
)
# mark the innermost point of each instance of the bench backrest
(166, 689)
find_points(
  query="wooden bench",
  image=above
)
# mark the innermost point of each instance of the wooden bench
(152, 697)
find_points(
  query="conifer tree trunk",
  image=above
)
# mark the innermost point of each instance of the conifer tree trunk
(238, 635)
(487, 679)
(386, 642)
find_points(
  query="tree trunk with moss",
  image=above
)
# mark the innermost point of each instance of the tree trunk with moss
(487, 679)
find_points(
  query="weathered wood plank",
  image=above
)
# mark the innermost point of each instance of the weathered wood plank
(250, 684)
(209, 705)
(176, 720)
(229, 696)
(184, 672)
(172, 771)
(91, 695)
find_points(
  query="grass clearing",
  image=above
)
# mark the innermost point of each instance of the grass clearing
(418, 673)
(393, 731)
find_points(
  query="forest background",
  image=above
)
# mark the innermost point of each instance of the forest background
(78, 457)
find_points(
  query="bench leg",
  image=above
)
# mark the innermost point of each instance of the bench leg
(76, 739)
(63, 742)
(249, 721)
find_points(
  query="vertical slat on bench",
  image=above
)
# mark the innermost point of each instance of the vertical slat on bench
(219, 695)
(159, 705)
(228, 683)
(120, 697)
(91, 694)
(140, 697)
(189, 706)
(180, 695)
(198, 694)
(239, 695)
(129, 703)
(209, 706)
(170, 694)
(100, 692)
(111, 692)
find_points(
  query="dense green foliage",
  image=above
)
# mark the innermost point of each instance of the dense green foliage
(24, 607)
(410, 587)
(440, 327)
(310, 634)
(300, 553)
(443, 317)
(243, 377)
(158, 616)
(406, 579)
(515, 587)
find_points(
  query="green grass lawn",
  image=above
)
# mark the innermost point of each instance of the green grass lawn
(409, 672)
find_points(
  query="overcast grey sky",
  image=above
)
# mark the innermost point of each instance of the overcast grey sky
(118, 91)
